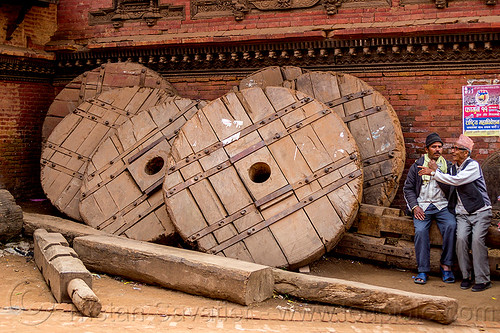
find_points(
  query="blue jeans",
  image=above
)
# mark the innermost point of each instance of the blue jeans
(447, 226)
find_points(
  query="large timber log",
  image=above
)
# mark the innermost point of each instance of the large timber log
(367, 297)
(270, 176)
(370, 118)
(68, 228)
(188, 271)
(11, 216)
(385, 235)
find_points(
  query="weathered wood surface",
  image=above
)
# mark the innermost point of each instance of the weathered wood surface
(66, 153)
(398, 252)
(84, 298)
(188, 271)
(53, 224)
(369, 116)
(92, 83)
(491, 172)
(367, 297)
(67, 277)
(11, 216)
(268, 175)
(386, 222)
(121, 186)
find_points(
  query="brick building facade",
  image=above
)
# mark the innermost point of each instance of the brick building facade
(417, 53)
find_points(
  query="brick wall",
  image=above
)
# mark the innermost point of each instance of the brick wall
(352, 20)
(22, 109)
(35, 30)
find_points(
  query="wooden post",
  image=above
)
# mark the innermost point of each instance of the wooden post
(367, 297)
(188, 271)
(68, 279)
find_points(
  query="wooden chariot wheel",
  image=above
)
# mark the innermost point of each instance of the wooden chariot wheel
(121, 190)
(268, 175)
(92, 83)
(67, 151)
(370, 118)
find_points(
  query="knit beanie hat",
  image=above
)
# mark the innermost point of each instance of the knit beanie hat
(431, 138)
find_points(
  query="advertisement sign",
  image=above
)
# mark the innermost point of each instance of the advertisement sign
(481, 112)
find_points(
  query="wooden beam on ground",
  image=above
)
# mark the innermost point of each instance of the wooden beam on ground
(379, 221)
(184, 270)
(398, 252)
(67, 277)
(367, 297)
(69, 229)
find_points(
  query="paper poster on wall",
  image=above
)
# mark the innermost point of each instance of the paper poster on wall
(481, 113)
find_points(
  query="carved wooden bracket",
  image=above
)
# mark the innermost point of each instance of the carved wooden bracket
(332, 6)
(441, 4)
(134, 10)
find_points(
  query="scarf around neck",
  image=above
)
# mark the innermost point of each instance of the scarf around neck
(441, 162)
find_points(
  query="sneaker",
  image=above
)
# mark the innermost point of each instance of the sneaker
(466, 284)
(481, 286)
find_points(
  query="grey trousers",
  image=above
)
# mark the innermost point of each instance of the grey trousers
(471, 234)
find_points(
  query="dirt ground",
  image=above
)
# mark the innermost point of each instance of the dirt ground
(26, 304)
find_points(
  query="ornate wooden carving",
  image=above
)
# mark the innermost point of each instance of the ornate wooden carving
(238, 8)
(441, 4)
(33, 70)
(135, 10)
(415, 53)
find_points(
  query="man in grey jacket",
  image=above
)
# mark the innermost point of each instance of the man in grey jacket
(427, 200)
(472, 206)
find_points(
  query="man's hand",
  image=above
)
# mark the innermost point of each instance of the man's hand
(418, 213)
(433, 165)
(424, 171)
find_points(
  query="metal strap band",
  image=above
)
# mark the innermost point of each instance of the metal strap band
(348, 98)
(246, 152)
(324, 171)
(139, 217)
(139, 154)
(378, 180)
(378, 158)
(303, 203)
(247, 130)
(159, 129)
(364, 113)
(100, 80)
(64, 151)
(62, 169)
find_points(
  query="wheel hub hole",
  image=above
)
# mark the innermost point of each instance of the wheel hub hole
(154, 165)
(259, 172)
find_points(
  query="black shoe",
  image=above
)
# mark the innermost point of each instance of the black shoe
(466, 284)
(481, 286)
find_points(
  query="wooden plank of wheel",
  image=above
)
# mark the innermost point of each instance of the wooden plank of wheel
(121, 190)
(66, 153)
(368, 115)
(92, 83)
(270, 176)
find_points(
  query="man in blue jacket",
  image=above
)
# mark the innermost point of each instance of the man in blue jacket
(469, 199)
(427, 200)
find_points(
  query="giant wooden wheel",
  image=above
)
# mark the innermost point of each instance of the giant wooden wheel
(270, 176)
(66, 152)
(369, 116)
(92, 83)
(121, 188)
